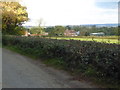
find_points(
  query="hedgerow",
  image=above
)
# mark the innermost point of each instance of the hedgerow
(98, 59)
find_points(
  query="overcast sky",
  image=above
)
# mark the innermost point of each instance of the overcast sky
(71, 12)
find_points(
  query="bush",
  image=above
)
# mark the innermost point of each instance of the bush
(89, 57)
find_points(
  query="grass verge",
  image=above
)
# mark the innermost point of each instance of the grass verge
(15, 49)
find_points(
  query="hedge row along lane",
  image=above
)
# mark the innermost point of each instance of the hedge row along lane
(100, 59)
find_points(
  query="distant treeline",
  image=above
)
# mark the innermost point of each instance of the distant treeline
(84, 30)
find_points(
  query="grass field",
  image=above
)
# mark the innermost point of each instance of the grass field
(104, 39)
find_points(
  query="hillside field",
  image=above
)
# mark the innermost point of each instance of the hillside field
(104, 39)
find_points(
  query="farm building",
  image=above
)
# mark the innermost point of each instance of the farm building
(97, 34)
(44, 34)
(29, 34)
(70, 33)
(26, 33)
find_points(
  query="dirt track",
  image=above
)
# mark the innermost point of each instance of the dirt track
(22, 72)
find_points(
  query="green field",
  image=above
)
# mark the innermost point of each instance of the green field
(104, 39)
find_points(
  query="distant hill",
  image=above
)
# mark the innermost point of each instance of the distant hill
(97, 25)
(102, 25)
(107, 25)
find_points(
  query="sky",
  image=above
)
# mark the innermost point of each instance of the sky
(71, 12)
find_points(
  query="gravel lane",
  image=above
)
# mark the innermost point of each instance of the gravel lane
(22, 72)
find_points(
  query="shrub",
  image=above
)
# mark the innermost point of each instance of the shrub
(89, 57)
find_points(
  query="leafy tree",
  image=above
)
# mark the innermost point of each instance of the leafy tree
(36, 30)
(49, 29)
(13, 15)
(77, 28)
(57, 31)
(19, 30)
(68, 27)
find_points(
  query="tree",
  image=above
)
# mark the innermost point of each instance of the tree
(36, 30)
(13, 15)
(57, 31)
(68, 27)
(49, 29)
(19, 30)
